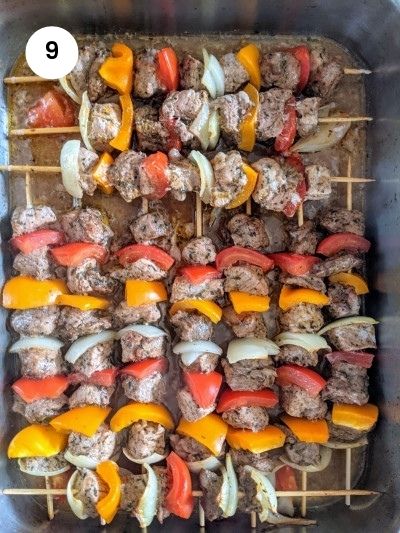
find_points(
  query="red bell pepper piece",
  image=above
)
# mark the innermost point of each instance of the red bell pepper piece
(179, 499)
(294, 264)
(286, 137)
(233, 399)
(143, 369)
(29, 242)
(30, 389)
(72, 254)
(302, 54)
(168, 68)
(236, 254)
(304, 378)
(203, 387)
(52, 110)
(285, 479)
(103, 378)
(155, 169)
(362, 359)
(197, 274)
(133, 252)
(343, 241)
(291, 207)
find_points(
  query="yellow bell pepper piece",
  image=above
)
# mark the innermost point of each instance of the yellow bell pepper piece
(107, 507)
(139, 292)
(243, 302)
(24, 292)
(248, 125)
(207, 308)
(117, 71)
(84, 303)
(210, 431)
(249, 58)
(347, 278)
(307, 430)
(37, 440)
(290, 297)
(269, 438)
(247, 190)
(133, 412)
(123, 139)
(361, 417)
(100, 173)
(85, 420)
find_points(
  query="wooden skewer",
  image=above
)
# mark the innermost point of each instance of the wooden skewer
(202, 516)
(248, 206)
(253, 520)
(349, 196)
(145, 205)
(199, 216)
(28, 190)
(328, 120)
(304, 497)
(356, 71)
(50, 501)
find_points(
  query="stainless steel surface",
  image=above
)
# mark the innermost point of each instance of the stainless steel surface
(370, 30)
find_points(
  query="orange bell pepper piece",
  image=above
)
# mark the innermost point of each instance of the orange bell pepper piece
(361, 417)
(84, 303)
(243, 302)
(248, 124)
(140, 292)
(269, 438)
(249, 58)
(133, 412)
(100, 173)
(210, 431)
(307, 430)
(85, 420)
(24, 292)
(247, 190)
(123, 139)
(207, 308)
(117, 71)
(290, 297)
(107, 507)
(37, 440)
(355, 280)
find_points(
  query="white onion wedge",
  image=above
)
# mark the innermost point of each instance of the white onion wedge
(81, 461)
(147, 506)
(337, 445)
(326, 136)
(188, 358)
(65, 84)
(84, 118)
(223, 496)
(308, 341)
(44, 343)
(43, 473)
(69, 163)
(80, 346)
(77, 506)
(214, 129)
(206, 174)
(200, 125)
(233, 499)
(210, 463)
(151, 332)
(266, 494)
(326, 456)
(213, 77)
(197, 346)
(278, 519)
(150, 459)
(250, 348)
(349, 321)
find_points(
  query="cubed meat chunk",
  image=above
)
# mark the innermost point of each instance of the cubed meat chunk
(297, 402)
(39, 410)
(246, 278)
(271, 190)
(200, 250)
(302, 239)
(162, 491)
(343, 301)
(344, 433)
(325, 73)
(251, 374)
(28, 219)
(179, 109)
(347, 384)
(152, 135)
(249, 502)
(104, 125)
(86, 225)
(124, 174)
(79, 75)
(189, 408)
(191, 72)
(97, 87)
(86, 278)
(280, 69)
(229, 177)
(89, 489)
(271, 113)
(137, 347)
(232, 108)
(302, 318)
(74, 323)
(182, 289)
(339, 219)
(150, 226)
(91, 394)
(253, 418)
(36, 264)
(308, 282)
(103, 445)
(352, 337)
(35, 322)
(192, 326)
(341, 262)
(94, 359)
(189, 449)
(265, 462)
(206, 362)
(248, 231)
(289, 353)
(318, 182)
(143, 269)
(245, 324)
(145, 390)
(235, 74)
(43, 464)
(302, 453)
(211, 484)
(86, 162)
(41, 362)
(146, 438)
(146, 83)
(307, 115)
(183, 175)
(124, 315)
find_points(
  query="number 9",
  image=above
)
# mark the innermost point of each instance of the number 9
(52, 48)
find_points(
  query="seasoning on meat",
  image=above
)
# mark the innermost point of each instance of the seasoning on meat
(137, 347)
(79, 75)
(144, 390)
(87, 161)
(86, 225)
(246, 278)
(251, 374)
(189, 408)
(152, 135)
(103, 445)
(41, 362)
(325, 74)
(124, 315)
(302, 318)
(211, 484)
(141, 269)
(163, 486)
(307, 281)
(232, 108)
(97, 87)
(89, 489)
(352, 337)
(37, 264)
(302, 239)
(146, 82)
(91, 394)
(206, 362)
(338, 220)
(289, 353)
(318, 182)
(28, 219)
(151, 226)
(189, 449)
(39, 410)
(124, 174)
(43, 464)
(341, 262)
(248, 502)
(302, 453)
(280, 69)
(35, 322)
(254, 418)
(248, 231)
(74, 323)
(182, 289)
(343, 301)
(229, 177)
(191, 72)
(104, 125)
(183, 175)
(245, 324)
(271, 113)
(297, 402)
(145, 438)
(94, 359)
(307, 115)
(200, 250)
(86, 278)
(347, 384)
(234, 73)
(192, 326)
(344, 433)
(265, 461)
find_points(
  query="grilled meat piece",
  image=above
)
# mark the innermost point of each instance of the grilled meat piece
(87, 161)
(302, 239)
(274, 188)
(245, 324)
(200, 250)
(146, 438)
(246, 278)
(206, 362)
(192, 326)
(280, 69)
(104, 125)
(182, 289)
(325, 74)
(152, 135)
(337, 263)
(180, 108)
(343, 433)
(343, 300)
(211, 484)
(124, 315)
(163, 486)
(339, 220)
(146, 83)
(94, 359)
(189, 408)
(183, 175)
(143, 269)
(97, 87)
(86, 225)
(124, 174)
(265, 462)
(251, 374)
(43, 464)
(319, 183)
(234, 73)
(289, 353)
(137, 347)
(191, 72)
(144, 390)
(248, 502)
(35, 322)
(307, 115)
(297, 402)
(89, 489)
(271, 114)
(39, 410)
(87, 279)
(189, 449)
(229, 177)
(353, 337)
(74, 323)
(347, 384)
(36, 264)
(232, 108)
(103, 445)
(41, 362)
(307, 281)
(302, 453)
(28, 219)
(79, 75)
(91, 394)
(302, 318)
(150, 226)
(253, 417)
(248, 231)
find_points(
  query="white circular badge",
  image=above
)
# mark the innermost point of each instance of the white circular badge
(51, 52)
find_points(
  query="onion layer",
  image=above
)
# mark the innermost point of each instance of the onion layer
(200, 125)
(326, 456)
(81, 461)
(147, 506)
(349, 321)
(337, 445)
(213, 77)
(266, 494)
(150, 459)
(210, 463)
(43, 473)
(250, 348)
(214, 129)
(83, 344)
(308, 341)
(206, 174)
(69, 162)
(76, 505)
(44, 343)
(84, 117)
(197, 346)
(233, 494)
(64, 82)
(144, 330)
(326, 136)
